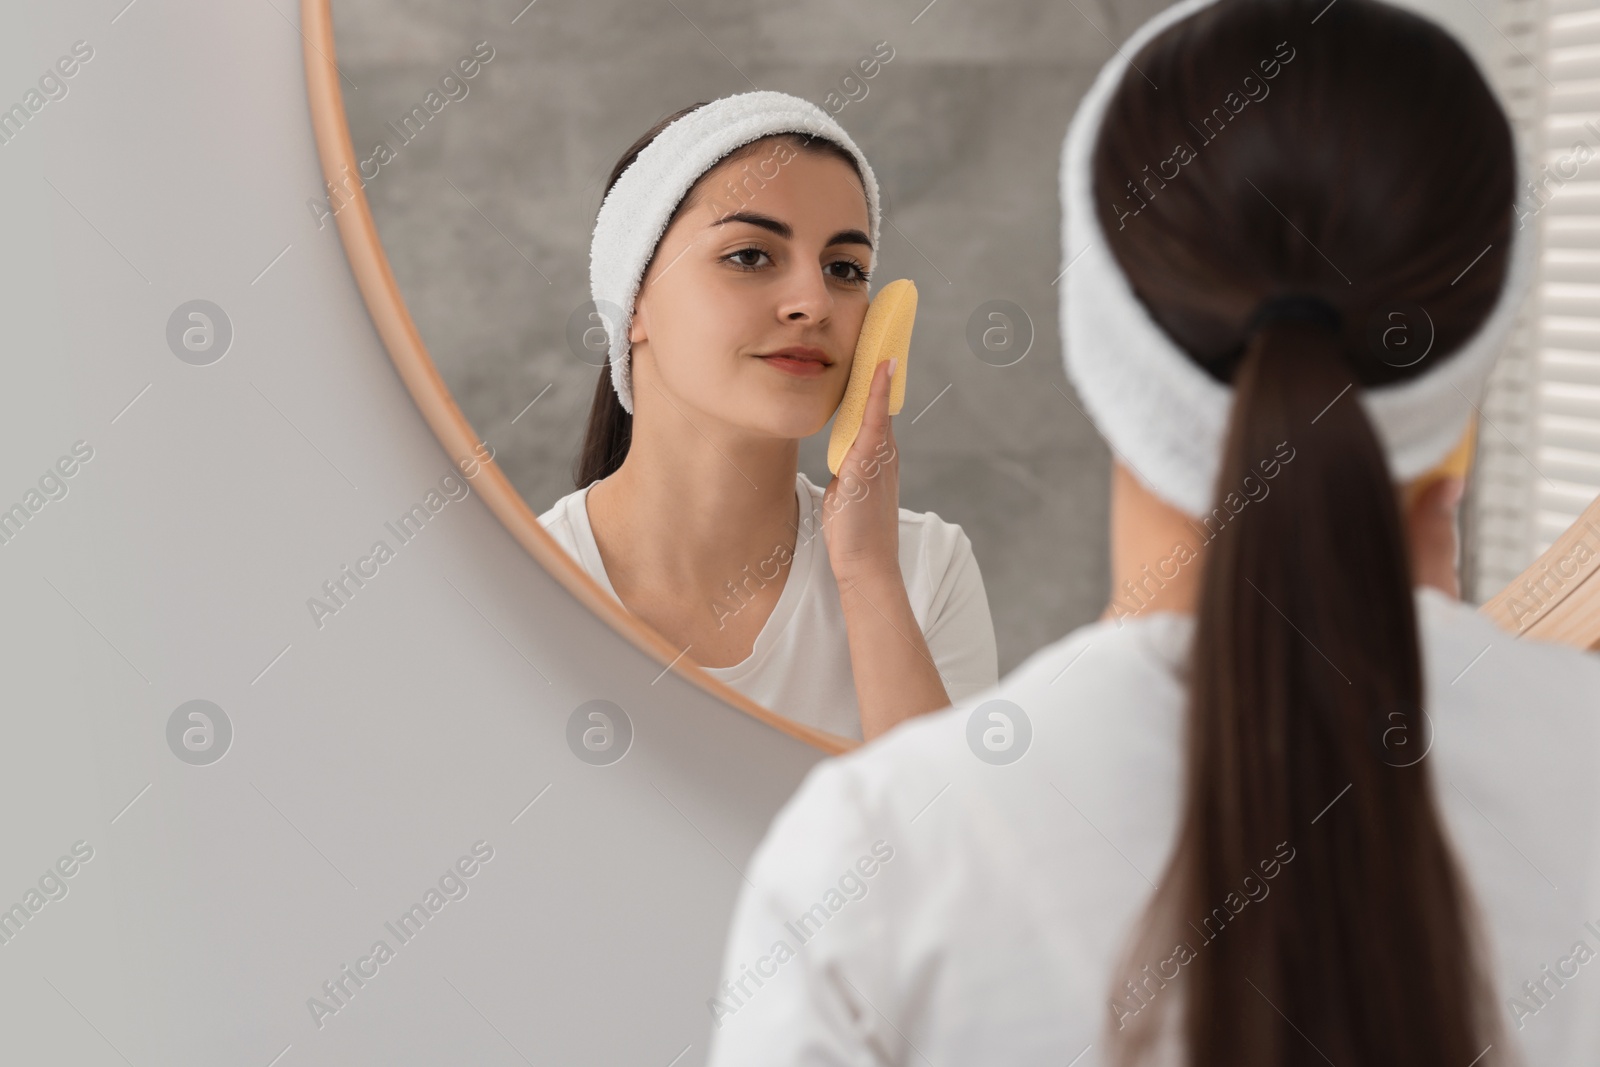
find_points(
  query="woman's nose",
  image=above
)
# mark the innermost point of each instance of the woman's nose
(805, 297)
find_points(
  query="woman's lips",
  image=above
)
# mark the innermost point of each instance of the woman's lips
(801, 368)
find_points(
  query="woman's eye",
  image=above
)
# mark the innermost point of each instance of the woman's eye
(855, 273)
(742, 263)
(751, 259)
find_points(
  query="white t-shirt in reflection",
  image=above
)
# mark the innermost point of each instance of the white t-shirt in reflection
(935, 908)
(800, 664)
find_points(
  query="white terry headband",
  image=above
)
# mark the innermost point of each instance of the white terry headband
(1158, 409)
(634, 215)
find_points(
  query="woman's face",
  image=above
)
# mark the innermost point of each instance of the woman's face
(738, 278)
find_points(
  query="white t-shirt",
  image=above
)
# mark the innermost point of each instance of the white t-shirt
(800, 664)
(935, 909)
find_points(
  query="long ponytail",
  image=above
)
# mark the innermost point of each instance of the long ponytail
(1305, 732)
(1312, 909)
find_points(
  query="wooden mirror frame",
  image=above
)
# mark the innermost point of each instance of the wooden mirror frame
(1556, 599)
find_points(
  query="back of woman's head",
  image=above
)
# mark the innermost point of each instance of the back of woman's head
(1352, 152)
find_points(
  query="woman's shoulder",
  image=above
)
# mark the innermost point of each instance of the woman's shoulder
(563, 505)
(1505, 712)
(1091, 694)
(566, 517)
(1477, 659)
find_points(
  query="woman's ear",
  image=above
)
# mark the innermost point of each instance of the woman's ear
(1457, 464)
(1431, 536)
(636, 325)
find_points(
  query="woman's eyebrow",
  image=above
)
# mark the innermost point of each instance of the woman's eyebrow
(784, 230)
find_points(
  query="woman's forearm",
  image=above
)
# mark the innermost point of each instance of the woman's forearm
(894, 672)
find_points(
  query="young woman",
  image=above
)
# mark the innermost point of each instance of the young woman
(730, 268)
(1285, 803)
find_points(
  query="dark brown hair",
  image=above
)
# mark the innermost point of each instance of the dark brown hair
(610, 429)
(1370, 169)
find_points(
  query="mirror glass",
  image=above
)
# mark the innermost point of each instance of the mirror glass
(486, 133)
(486, 137)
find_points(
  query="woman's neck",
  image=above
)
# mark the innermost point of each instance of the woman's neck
(693, 502)
(1156, 552)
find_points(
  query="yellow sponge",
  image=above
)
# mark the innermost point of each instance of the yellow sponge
(886, 334)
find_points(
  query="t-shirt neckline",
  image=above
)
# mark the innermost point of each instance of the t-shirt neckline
(788, 600)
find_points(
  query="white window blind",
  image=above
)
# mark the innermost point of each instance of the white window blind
(1568, 396)
(1539, 458)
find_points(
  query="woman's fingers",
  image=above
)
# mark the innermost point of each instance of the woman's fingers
(862, 511)
(875, 421)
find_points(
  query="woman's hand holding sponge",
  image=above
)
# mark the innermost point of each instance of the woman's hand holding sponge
(886, 334)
